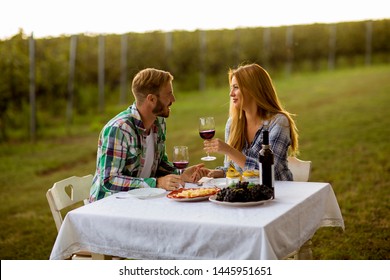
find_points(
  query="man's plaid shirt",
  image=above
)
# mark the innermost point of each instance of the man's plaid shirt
(121, 155)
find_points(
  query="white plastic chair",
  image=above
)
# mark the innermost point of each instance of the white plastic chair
(301, 173)
(66, 194)
(299, 168)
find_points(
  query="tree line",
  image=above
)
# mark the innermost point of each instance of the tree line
(198, 59)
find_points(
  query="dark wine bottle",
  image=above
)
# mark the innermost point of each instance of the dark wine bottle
(266, 161)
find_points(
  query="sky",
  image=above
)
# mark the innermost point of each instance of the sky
(46, 18)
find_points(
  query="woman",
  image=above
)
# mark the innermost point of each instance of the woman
(254, 105)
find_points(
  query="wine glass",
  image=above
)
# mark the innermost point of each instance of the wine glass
(180, 157)
(207, 132)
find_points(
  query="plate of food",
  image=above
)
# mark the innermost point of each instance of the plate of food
(243, 194)
(192, 194)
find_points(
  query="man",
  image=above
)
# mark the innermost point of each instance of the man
(131, 149)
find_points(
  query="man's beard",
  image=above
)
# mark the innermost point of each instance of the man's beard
(158, 110)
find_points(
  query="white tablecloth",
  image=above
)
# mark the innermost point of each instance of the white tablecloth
(160, 228)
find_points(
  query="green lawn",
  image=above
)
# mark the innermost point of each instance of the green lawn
(344, 129)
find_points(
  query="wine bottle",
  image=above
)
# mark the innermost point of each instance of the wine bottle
(266, 161)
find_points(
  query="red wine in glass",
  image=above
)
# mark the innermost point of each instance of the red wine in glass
(180, 164)
(207, 132)
(180, 158)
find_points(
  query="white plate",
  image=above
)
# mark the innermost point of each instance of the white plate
(237, 204)
(146, 192)
(200, 198)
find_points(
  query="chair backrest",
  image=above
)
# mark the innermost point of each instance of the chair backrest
(66, 193)
(299, 168)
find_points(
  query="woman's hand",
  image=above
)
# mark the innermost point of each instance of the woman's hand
(218, 146)
(215, 146)
(216, 173)
(211, 173)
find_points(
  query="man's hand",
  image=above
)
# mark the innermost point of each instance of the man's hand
(170, 182)
(193, 173)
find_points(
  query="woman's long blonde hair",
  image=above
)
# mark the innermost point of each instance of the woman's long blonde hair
(256, 84)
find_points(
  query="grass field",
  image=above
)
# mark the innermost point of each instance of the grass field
(344, 129)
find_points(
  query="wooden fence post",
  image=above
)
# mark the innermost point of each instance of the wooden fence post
(266, 47)
(123, 93)
(237, 47)
(72, 64)
(32, 88)
(289, 47)
(332, 46)
(168, 50)
(368, 43)
(202, 60)
(101, 73)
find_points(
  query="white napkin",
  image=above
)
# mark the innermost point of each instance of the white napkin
(205, 180)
